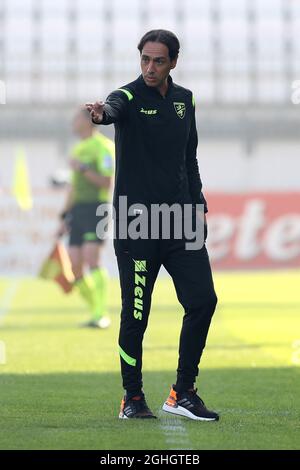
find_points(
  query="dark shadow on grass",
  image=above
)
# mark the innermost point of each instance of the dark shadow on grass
(259, 409)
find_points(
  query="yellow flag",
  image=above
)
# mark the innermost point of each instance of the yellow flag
(21, 184)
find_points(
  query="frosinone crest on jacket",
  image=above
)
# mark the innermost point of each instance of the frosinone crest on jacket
(180, 109)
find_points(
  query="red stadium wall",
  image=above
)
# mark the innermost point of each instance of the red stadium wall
(256, 230)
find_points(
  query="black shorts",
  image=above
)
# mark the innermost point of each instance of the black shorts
(82, 222)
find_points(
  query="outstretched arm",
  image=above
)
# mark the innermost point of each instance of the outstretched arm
(114, 109)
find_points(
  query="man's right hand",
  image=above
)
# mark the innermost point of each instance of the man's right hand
(96, 111)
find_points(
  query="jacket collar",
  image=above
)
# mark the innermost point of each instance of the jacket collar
(152, 90)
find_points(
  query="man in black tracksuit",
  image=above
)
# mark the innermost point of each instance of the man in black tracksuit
(156, 143)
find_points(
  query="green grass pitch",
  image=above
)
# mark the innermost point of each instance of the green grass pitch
(60, 387)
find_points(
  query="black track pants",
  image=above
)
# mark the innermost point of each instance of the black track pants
(139, 262)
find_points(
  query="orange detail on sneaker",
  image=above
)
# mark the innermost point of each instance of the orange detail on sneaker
(172, 398)
(122, 405)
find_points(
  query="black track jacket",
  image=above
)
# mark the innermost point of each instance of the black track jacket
(156, 144)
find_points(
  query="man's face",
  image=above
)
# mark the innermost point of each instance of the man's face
(156, 63)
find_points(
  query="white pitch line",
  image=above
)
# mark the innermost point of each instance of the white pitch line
(175, 432)
(7, 298)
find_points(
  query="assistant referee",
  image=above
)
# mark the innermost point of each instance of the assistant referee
(92, 162)
(156, 143)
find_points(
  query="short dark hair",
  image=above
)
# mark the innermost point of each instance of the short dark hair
(165, 37)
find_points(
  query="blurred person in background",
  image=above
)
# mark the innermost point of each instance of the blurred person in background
(92, 169)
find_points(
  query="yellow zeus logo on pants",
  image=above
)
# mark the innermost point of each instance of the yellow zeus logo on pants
(139, 284)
